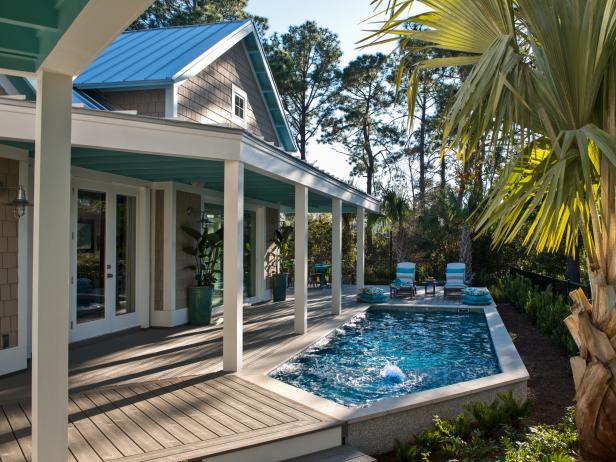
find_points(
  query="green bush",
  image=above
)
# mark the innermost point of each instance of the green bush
(544, 443)
(492, 432)
(545, 310)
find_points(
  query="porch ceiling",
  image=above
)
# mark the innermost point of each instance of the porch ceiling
(29, 30)
(184, 170)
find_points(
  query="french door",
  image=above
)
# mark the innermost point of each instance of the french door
(103, 277)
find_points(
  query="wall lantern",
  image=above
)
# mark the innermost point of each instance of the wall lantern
(20, 202)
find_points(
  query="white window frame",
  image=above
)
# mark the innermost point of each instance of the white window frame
(236, 91)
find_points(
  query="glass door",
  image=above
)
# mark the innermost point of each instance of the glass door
(91, 256)
(104, 262)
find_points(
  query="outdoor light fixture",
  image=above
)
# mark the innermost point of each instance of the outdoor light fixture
(20, 202)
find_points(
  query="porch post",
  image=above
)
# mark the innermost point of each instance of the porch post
(260, 252)
(336, 256)
(233, 266)
(361, 236)
(51, 267)
(301, 259)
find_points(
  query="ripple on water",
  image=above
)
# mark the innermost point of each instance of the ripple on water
(432, 350)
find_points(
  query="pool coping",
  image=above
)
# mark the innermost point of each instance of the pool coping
(511, 365)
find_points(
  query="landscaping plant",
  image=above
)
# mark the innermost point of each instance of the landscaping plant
(498, 431)
(541, 87)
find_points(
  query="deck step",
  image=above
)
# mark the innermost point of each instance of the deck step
(337, 454)
(279, 446)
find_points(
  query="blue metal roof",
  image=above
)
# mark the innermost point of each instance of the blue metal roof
(153, 56)
(87, 101)
(157, 57)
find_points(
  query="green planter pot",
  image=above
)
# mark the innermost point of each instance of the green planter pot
(280, 282)
(200, 305)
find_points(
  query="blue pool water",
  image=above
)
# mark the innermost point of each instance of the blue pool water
(355, 365)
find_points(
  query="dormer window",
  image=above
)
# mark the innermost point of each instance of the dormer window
(238, 103)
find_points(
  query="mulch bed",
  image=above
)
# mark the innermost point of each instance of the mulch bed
(550, 388)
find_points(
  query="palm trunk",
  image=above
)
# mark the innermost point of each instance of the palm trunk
(593, 326)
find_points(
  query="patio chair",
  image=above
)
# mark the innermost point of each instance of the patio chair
(455, 278)
(405, 280)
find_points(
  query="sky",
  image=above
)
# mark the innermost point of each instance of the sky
(345, 18)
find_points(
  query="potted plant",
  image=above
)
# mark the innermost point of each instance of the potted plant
(206, 251)
(280, 257)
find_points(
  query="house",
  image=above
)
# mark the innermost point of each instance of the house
(156, 128)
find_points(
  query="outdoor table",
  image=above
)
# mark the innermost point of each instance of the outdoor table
(322, 269)
(426, 284)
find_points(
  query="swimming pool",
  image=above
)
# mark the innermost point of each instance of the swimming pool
(431, 348)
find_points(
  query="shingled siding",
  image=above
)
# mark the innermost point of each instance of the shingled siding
(206, 97)
(9, 176)
(145, 102)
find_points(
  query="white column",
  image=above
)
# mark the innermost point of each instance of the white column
(260, 252)
(361, 236)
(336, 256)
(233, 266)
(301, 259)
(51, 267)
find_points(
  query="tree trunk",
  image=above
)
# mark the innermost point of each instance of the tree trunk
(422, 151)
(593, 326)
(466, 248)
(369, 178)
(302, 134)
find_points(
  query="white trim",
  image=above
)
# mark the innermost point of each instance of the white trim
(270, 76)
(16, 358)
(166, 318)
(143, 256)
(237, 91)
(171, 101)
(301, 259)
(87, 180)
(269, 114)
(137, 134)
(260, 253)
(213, 53)
(233, 267)
(169, 245)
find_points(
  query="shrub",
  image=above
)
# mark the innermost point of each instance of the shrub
(544, 443)
(505, 411)
(500, 433)
(545, 310)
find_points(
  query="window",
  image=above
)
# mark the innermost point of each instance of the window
(238, 106)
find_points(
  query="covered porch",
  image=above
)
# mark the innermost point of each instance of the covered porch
(56, 150)
(124, 159)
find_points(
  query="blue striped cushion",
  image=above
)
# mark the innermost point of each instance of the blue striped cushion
(455, 270)
(404, 270)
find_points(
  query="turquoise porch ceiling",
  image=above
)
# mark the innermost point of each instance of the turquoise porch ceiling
(30, 29)
(182, 170)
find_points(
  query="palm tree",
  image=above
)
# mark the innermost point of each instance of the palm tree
(541, 83)
(394, 211)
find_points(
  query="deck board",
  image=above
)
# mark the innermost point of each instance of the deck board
(159, 394)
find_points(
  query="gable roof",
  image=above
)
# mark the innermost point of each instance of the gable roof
(160, 57)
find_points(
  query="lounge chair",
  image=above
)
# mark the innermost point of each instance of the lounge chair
(405, 280)
(455, 278)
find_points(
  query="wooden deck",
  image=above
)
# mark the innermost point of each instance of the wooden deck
(166, 420)
(159, 394)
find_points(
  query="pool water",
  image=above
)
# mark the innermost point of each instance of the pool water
(432, 349)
